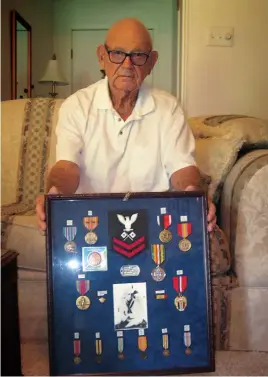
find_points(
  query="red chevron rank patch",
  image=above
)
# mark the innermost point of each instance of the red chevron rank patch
(128, 231)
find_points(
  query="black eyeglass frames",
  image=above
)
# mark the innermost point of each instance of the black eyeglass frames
(118, 57)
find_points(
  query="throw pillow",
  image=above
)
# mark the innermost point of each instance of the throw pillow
(215, 157)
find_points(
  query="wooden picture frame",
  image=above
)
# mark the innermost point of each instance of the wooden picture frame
(129, 289)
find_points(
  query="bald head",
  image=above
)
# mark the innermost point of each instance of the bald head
(127, 56)
(129, 31)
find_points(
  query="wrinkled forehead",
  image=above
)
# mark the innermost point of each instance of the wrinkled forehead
(129, 40)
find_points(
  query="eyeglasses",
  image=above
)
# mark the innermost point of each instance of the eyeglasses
(118, 57)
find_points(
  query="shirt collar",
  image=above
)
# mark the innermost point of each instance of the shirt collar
(144, 105)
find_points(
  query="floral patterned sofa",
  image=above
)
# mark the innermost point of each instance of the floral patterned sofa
(239, 186)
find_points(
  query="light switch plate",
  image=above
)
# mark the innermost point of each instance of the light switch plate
(220, 36)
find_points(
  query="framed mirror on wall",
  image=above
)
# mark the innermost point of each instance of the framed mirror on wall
(21, 57)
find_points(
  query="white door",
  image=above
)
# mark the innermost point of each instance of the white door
(85, 66)
(80, 26)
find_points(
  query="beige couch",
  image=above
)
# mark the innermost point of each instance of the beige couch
(28, 150)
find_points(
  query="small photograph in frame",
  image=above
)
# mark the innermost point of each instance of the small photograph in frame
(130, 306)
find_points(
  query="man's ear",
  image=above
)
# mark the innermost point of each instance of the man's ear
(154, 58)
(100, 55)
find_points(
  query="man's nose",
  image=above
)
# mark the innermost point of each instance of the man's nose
(127, 62)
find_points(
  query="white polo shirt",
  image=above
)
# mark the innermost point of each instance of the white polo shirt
(139, 154)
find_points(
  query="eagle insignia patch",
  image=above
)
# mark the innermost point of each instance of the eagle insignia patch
(128, 231)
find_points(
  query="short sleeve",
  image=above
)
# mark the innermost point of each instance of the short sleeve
(178, 143)
(69, 131)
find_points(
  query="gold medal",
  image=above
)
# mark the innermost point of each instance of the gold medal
(83, 302)
(166, 353)
(77, 360)
(180, 303)
(121, 356)
(91, 238)
(165, 343)
(184, 230)
(185, 244)
(165, 236)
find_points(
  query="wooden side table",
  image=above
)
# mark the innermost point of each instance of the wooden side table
(10, 334)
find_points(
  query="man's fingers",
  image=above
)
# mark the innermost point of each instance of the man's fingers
(211, 211)
(40, 207)
(211, 225)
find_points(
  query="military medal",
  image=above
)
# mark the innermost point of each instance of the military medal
(77, 348)
(102, 296)
(184, 230)
(158, 256)
(142, 343)
(120, 345)
(91, 223)
(70, 233)
(83, 302)
(98, 346)
(164, 221)
(165, 342)
(187, 339)
(180, 284)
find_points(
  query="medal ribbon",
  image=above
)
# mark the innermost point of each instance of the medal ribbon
(165, 341)
(142, 343)
(184, 229)
(82, 286)
(187, 339)
(179, 283)
(98, 347)
(164, 221)
(77, 348)
(91, 222)
(120, 345)
(158, 253)
(69, 232)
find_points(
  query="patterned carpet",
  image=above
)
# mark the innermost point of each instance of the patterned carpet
(228, 363)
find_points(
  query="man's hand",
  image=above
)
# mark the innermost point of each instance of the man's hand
(211, 210)
(40, 210)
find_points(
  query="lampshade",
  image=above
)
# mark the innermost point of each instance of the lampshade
(53, 74)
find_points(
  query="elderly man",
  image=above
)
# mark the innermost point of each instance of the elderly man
(120, 135)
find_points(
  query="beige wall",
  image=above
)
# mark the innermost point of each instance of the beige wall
(226, 79)
(38, 13)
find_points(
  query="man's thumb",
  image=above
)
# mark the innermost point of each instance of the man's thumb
(191, 188)
(53, 190)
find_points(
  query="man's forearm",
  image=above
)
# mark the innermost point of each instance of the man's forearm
(189, 176)
(65, 176)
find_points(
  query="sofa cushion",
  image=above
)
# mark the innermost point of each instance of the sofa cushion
(12, 120)
(215, 157)
(23, 236)
(28, 150)
(253, 130)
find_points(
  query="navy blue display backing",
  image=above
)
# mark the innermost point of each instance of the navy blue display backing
(65, 318)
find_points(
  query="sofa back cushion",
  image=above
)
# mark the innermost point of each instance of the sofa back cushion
(21, 124)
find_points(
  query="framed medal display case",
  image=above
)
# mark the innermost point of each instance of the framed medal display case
(129, 288)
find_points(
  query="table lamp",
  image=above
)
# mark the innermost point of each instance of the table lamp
(53, 76)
